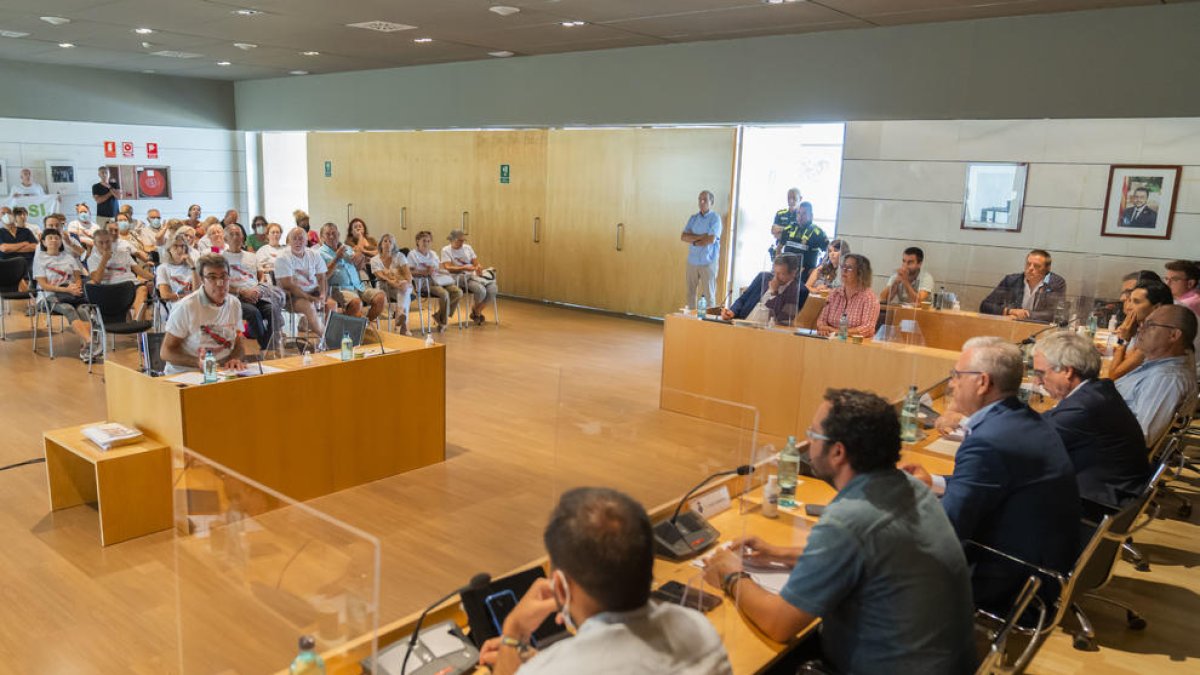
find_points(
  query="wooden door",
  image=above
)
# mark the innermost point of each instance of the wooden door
(588, 188)
(370, 180)
(441, 166)
(507, 221)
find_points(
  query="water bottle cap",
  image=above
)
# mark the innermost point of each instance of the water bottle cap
(307, 642)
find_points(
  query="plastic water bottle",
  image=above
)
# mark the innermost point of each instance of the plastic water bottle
(770, 503)
(701, 306)
(307, 358)
(843, 328)
(1092, 325)
(1112, 322)
(429, 339)
(789, 466)
(347, 347)
(210, 367)
(908, 415)
(307, 662)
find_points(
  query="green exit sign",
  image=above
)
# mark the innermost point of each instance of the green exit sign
(504, 174)
(328, 169)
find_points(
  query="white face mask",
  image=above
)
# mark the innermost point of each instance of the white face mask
(259, 230)
(565, 611)
(156, 223)
(6, 219)
(84, 216)
(123, 225)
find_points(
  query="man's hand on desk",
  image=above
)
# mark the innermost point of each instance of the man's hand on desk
(726, 315)
(948, 422)
(723, 562)
(917, 471)
(1018, 313)
(755, 551)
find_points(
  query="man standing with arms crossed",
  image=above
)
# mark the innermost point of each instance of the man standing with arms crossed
(703, 236)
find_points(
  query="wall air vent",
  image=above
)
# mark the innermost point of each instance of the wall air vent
(381, 26)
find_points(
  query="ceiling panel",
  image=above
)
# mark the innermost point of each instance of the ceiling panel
(623, 10)
(990, 11)
(777, 18)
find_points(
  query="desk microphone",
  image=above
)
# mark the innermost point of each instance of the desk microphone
(679, 537)
(478, 583)
(1033, 338)
(382, 349)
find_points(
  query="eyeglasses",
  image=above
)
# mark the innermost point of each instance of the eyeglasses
(816, 435)
(955, 373)
(216, 278)
(1152, 324)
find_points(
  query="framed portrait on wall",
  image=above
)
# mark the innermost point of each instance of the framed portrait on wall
(153, 182)
(995, 196)
(1140, 201)
(60, 177)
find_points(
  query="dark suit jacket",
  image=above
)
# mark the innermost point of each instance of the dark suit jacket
(1147, 218)
(783, 306)
(1104, 441)
(1013, 489)
(1011, 290)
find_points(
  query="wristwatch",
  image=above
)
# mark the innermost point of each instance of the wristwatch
(510, 641)
(731, 579)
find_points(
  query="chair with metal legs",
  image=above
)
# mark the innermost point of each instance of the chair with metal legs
(45, 306)
(109, 306)
(12, 272)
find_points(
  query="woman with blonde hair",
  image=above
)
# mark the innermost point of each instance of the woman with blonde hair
(390, 268)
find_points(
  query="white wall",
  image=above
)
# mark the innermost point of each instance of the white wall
(903, 184)
(207, 165)
(285, 176)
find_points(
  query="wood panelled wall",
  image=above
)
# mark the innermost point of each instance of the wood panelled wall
(590, 217)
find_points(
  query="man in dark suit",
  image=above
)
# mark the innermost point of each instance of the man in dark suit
(1032, 294)
(1101, 434)
(1013, 488)
(781, 294)
(1139, 215)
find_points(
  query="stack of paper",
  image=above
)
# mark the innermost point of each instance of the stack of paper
(110, 435)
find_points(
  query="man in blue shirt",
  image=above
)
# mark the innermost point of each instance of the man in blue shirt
(1166, 379)
(345, 286)
(703, 236)
(882, 569)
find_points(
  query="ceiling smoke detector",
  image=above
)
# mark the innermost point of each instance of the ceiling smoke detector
(381, 26)
(503, 10)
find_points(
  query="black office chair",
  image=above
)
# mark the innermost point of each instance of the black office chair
(152, 360)
(110, 304)
(12, 272)
(997, 660)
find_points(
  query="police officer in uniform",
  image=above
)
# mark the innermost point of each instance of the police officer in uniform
(804, 239)
(785, 219)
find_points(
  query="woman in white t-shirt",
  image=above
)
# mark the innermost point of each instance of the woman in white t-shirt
(267, 253)
(391, 269)
(300, 272)
(60, 278)
(176, 277)
(424, 263)
(110, 264)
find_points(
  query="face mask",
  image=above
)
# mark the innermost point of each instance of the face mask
(84, 217)
(156, 223)
(259, 230)
(6, 219)
(565, 611)
(123, 225)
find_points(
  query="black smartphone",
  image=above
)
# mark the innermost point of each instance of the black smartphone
(679, 594)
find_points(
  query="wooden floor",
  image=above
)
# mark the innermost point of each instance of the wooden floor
(552, 399)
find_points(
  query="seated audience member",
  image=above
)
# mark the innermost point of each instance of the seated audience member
(193, 217)
(302, 222)
(267, 253)
(300, 272)
(1013, 487)
(390, 268)
(1127, 283)
(231, 217)
(146, 232)
(82, 227)
(345, 286)
(207, 319)
(16, 240)
(882, 568)
(1100, 433)
(176, 276)
(262, 305)
(424, 263)
(113, 264)
(1183, 276)
(459, 259)
(166, 234)
(21, 217)
(60, 282)
(70, 242)
(122, 230)
(854, 299)
(601, 551)
(1167, 377)
(779, 301)
(213, 240)
(258, 234)
(360, 240)
(909, 284)
(189, 235)
(1032, 294)
(828, 275)
(1146, 297)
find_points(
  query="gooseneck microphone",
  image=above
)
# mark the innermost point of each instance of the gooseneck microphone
(1033, 338)
(681, 537)
(743, 470)
(478, 582)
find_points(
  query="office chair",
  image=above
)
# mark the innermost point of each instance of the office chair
(110, 305)
(12, 272)
(996, 660)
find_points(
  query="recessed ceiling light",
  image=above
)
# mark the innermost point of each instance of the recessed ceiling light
(246, 12)
(13, 34)
(143, 31)
(55, 20)
(779, 2)
(149, 72)
(67, 45)
(245, 46)
(297, 72)
(500, 54)
(422, 41)
(310, 53)
(148, 45)
(504, 10)
(224, 63)
(572, 24)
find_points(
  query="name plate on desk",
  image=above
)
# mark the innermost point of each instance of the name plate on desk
(711, 503)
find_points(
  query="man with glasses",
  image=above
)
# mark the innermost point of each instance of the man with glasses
(1100, 433)
(882, 568)
(1167, 378)
(207, 319)
(1182, 278)
(1013, 487)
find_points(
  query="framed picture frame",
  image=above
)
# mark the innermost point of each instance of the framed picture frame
(1140, 201)
(60, 177)
(153, 182)
(994, 198)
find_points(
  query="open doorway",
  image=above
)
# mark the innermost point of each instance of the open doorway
(773, 159)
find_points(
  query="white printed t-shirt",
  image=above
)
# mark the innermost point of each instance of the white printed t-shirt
(416, 259)
(304, 268)
(243, 268)
(202, 325)
(58, 270)
(119, 268)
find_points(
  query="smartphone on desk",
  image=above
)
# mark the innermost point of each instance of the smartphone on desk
(679, 594)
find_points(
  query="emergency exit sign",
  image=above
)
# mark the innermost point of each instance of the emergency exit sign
(328, 168)
(503, 174)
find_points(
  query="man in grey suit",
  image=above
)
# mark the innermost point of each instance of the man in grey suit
(1032, 294)
(1139, 215)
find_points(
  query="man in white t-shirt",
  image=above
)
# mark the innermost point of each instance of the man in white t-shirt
(262, 305)
(300, 272)
(459, 259)
(27, 188)
(209, 319)
(110, 264)
(82, 227)
(909, 284)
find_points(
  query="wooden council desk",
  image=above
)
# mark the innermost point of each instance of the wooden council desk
(782, 375)
(949, 329)
(306, 431)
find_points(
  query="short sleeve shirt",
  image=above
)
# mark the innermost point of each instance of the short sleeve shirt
(266, 255)
(304, 268)
(807, 241)
(899, 293)
(107, 209)
(202, 325)
(31, 190)
(177, 277)
(398, 261)
(704, 224)
(861, 309)
(416, 259)
(462, 256)
(243, 269)
(22, 236)
(344, 274)
(119, 268)
(58, 270)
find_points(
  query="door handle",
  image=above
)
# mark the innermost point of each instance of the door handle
(466, 222)
(404, 217)
(537, 226)
(620, 236)
(348, 214)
